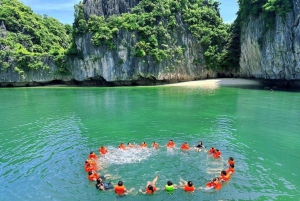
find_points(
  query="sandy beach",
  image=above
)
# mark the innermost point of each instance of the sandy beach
(215, 83)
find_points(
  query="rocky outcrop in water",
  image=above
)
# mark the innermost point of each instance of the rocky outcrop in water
(276, 54)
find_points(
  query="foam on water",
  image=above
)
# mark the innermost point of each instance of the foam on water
(131, 155)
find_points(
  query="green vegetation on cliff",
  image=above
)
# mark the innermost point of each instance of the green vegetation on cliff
(153, 22)
(30, 39)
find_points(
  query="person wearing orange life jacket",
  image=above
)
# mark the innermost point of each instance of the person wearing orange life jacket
(90, 162)
(103, 150)
(230, 161)
(212, 150)
(93, 156)
(155, 145)
(89, 167)
(150, 186)
(121, 190)
(122, 146)
(224, 176)
(93, 176)
(217, 154)
(170, 144)
(213, 184)
(230, 169)
(129, 145)
(187, 185)
(144, 145)
(185, 146)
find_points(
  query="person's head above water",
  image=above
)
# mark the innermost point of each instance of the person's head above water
(200, 142)
(120, 183)
(150, 187)
(99, 180)
(190, 184)
(230, 159)
(90, 173)
(169, 183)
(91, 152)
(223, 172)
(231, 165)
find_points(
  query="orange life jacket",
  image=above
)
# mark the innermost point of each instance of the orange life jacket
(189, 188)
(230, 162)
(185, 147)
(149, 191)
(212, 151)
(170, 144)
(93, 156)
(217, 154)
(225, 177)
(210, 184)
(155, 146)
(103, 150)
(122, 147)
(120, 189)
(230, 169)
(144, 145)
(218, 185)
(93, 177)
(89, 168)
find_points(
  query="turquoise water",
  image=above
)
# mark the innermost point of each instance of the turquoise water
(47, 133)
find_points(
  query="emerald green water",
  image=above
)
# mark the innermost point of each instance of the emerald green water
(47, 133)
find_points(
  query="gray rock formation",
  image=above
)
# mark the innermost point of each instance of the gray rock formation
(121, 64)
(275, 55)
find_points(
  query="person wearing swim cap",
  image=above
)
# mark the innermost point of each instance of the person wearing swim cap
(185, 146)
(170, 187)
(121, 190)
(103, 186)
(186, 185)
(199, 146)
(155, 145)
(170, 144)
(150, 186)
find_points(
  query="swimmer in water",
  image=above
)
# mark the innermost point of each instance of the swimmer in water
(93, 176)
(230, 169)
(213, 184)
(217, 154)
(103, 150)
(170, 144)
(144, 145)
(155, 145)
(93, 156)
(212, 150)
(121, 190)
(199, 146)
(185, 146)
(170, 187)
(224, 176)
(186, 185)
(129, 145)
(103, 186)
(230, 161)
(150, 186)
(122, 146)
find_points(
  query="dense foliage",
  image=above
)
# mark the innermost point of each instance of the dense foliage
(152, 22)
(267, 8)
(31, 38)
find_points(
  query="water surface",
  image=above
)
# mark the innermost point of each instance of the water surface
(47, 133)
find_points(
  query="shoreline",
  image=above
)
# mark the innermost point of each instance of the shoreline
(205, 83)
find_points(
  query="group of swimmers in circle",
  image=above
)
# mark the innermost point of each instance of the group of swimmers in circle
(91, 168)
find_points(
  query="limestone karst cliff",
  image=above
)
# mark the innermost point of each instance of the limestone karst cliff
(273, 54)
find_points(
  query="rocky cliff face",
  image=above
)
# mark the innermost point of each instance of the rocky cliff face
(121, 65)
(276, 54)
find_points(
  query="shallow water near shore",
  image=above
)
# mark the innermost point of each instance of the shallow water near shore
(47, 133)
